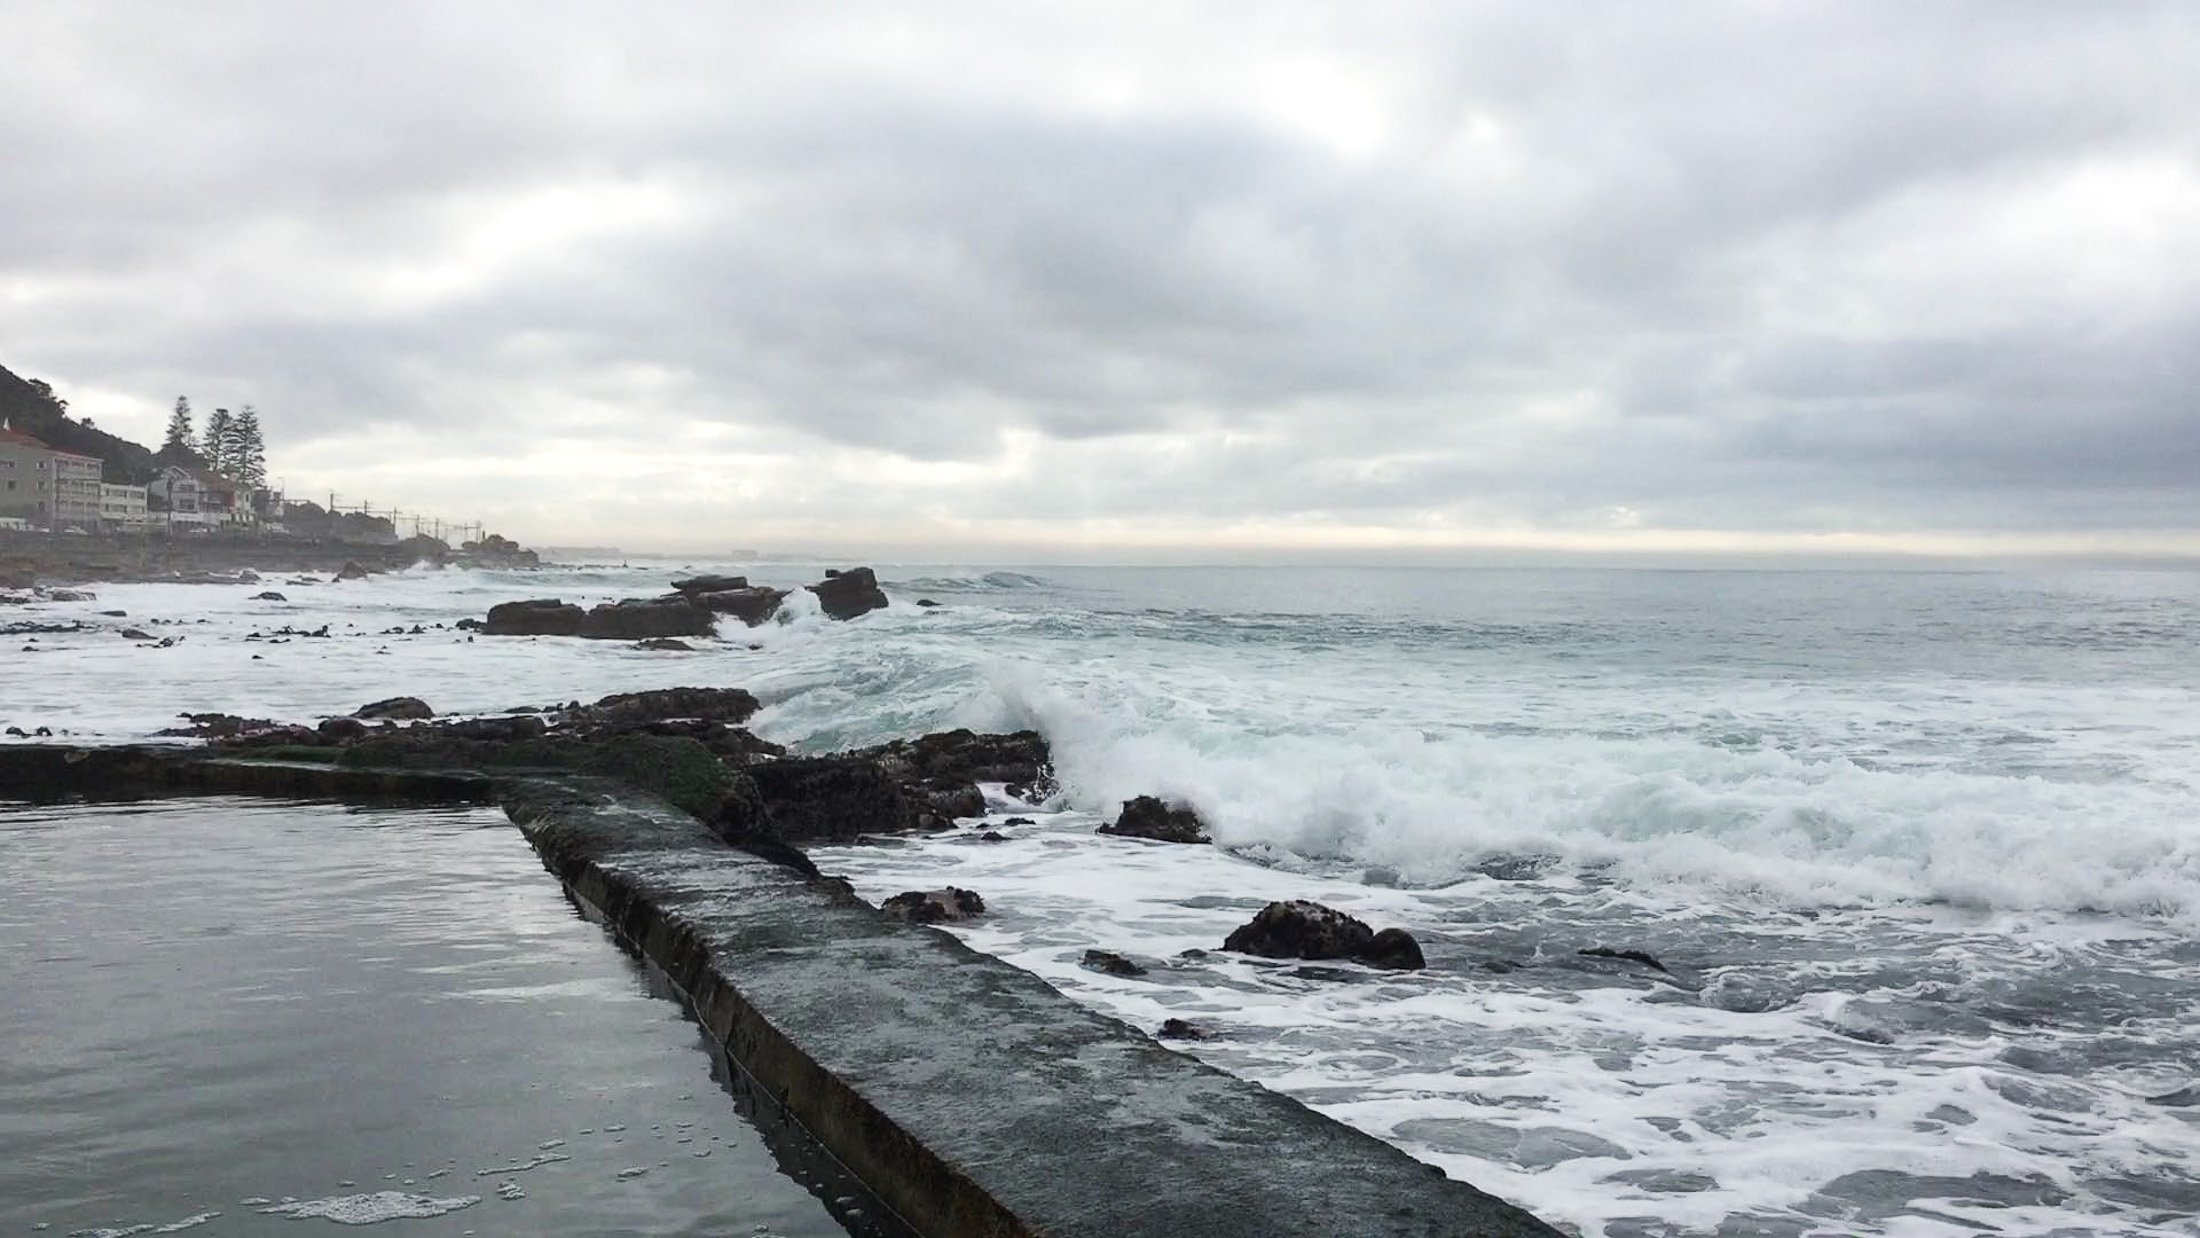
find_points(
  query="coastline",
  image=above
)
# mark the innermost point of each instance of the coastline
(965, 1093)
(137, 558)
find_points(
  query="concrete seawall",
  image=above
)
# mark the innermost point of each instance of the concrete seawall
(966, 1094)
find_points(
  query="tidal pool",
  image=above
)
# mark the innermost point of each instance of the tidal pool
(260, 1017)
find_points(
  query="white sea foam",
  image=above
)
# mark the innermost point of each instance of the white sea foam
(149, 1227)
(372, 1208)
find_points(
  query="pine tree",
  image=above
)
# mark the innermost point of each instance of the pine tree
(221, 442)
(249, 461)
(179, 427)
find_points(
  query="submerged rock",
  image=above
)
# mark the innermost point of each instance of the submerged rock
(1300, 929)
(934, 906)
(351, 571)
(269, 596)
(1148, 817)
(1108, 962)
(1628, 956)
(845, 595)
(665, 644)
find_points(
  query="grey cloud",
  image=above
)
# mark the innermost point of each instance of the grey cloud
(1549, 291)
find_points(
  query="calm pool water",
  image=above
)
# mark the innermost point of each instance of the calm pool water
(236, 1017)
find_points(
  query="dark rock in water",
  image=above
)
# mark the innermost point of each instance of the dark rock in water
(269, 596)
(1148, 817)
(934, 906)
(927, 603)
(745, 821)
(1111, 963)
(993, 836)
(1517, 867)
(116, 614)
(643, 618)
(940, 773)
(831, 799)
(68, 595)
(1017, 821)
(1631, 956)
(401, 708)
(665, 644)
(1306, 930)
(1394, 948)
(342, 729)
(1178, 1029)
(136, 634)
(221, 726)
(710, 584)
(535, 617)
(351, 571)
(966, 756)
(711, 704)
(475, 625)
(845, 595)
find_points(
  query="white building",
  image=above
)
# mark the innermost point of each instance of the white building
(123, 509)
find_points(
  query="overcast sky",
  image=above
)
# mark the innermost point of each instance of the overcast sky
(1126, 279)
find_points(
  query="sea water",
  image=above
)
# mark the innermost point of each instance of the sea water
(229, 1016)
(1917, 853)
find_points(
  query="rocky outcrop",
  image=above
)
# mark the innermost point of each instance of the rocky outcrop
(830, 799)
(940, 773)
(847, 594)
(1305, 930)
(665, 644)
(499, 551)
(633, 619)
(934, 906)
(734, 705)
(269, 596)
(1148, 817)
(400, 708)
(709, 584)
(534, 617)
(352, 570)
(642, 618)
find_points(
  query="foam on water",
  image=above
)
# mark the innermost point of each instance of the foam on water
(372, 1208)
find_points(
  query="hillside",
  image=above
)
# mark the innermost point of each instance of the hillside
(37, 414)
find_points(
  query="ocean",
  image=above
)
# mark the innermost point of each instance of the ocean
(1917, 853)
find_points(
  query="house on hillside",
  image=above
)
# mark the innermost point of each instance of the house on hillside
(44, 486)
(172, 499)
(26, 477)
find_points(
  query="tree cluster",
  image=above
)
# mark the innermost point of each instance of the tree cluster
(231, 446)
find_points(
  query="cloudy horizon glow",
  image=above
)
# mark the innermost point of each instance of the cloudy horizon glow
(1151, 280)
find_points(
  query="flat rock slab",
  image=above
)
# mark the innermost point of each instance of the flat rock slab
(972, 1098)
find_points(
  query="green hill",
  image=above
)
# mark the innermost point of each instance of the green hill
(36, 412)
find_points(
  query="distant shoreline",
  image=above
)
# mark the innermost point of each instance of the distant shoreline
(126, 558)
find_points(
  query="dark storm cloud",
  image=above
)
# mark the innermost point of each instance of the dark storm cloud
(1728, 267)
